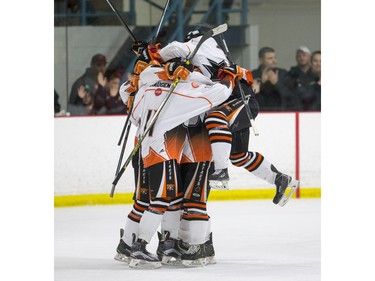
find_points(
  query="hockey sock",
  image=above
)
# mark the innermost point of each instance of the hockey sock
(193, 232)
(220, 137)
(194, 223)
(152, 218)
(131, 227)
(149, 224)
(171, 218)
(255, 163)
(138, 209)
(132, 221)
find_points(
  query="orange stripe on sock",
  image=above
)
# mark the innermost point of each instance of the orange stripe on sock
(216, 125)
(134, 217)
(241, 163)
(212, 138)
(257, 161)
(237, 156)
(195, 216)
(216, 114)
(199, 205)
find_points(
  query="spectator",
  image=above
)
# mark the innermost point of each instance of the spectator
(299, 79)
(271, 78)
(107, 99)
(313, 98)
(82, 93)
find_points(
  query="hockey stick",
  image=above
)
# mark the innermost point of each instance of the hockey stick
(122, 21)
(123, 149)
(127, 126)
(205, 36)
(244, 99)
(160, 23)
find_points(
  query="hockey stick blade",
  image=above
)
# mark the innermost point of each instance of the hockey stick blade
(215, 31)
(219, 29)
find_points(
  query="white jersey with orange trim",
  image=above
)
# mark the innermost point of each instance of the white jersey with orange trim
(208, 58)
(190, 98)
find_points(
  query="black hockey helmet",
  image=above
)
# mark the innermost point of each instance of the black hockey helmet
(192, 34)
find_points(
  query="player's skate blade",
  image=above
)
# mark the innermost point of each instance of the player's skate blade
(292, 187)
(141, 258)
(195, 256)
(220, 185)
(122, 258)
(143, 264)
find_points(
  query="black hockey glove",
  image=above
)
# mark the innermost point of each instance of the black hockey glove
(139, 46)
(145, 51)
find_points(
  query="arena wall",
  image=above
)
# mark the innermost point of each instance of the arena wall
(86, 156)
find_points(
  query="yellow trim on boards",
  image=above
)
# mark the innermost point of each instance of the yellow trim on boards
(215, 195)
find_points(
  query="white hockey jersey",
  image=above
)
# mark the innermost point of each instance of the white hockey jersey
(190, 98)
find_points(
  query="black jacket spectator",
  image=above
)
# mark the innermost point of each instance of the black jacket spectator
(271, 97)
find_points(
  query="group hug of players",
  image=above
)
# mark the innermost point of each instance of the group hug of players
(202, 128)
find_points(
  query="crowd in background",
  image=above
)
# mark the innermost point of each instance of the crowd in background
(298, 89)
(295, 90)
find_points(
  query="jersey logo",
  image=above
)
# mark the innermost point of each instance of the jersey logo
(161, 84)
(158, 92)
(194, 85)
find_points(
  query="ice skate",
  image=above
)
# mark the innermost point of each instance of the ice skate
(195, 256)
(283, 194)
(209, 251)
(123, 250)
(168, 251)
(219, 179)
(141, 258)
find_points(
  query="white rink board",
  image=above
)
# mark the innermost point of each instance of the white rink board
(86, 152)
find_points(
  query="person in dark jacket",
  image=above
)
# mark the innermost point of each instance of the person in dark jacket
(312, 102)
(81, 97)
(271, 78)
(107, 98)
(299, 80)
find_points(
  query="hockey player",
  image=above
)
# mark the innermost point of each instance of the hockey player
(141, 194)
(229, 125)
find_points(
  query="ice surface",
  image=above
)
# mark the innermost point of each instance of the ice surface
(254, 240)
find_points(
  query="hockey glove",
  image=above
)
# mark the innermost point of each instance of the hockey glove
(138, 47)
(146, 52)
(230, 73)
(178, 69)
